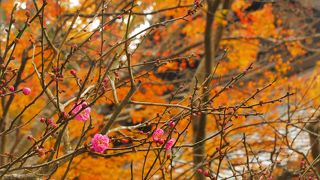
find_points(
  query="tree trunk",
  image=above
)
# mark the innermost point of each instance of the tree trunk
(199, 123)
(314, 133)
(211, 40)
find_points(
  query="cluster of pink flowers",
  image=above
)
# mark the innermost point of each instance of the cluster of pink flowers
(157, 137)
(84, 114)
(100, 143)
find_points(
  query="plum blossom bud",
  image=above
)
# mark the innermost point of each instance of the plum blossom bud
(41, 151)
(170, 143)
(11, 88)
(73, 72)
(50, 121)
(200, 171)
(26, 91)
(30, 137)
(160, 141)
(56, 69)
(105, 80)
(27, 13)
(54, 125)
(171, 123)
(168, 156)
(124, 141)
(206, 173)
(42, 120)
(64, 115)
(16, 40)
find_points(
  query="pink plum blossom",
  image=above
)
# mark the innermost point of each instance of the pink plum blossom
(26, 91)
(170, 143)
(157, 134)
(100, 143)
(84, 114)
